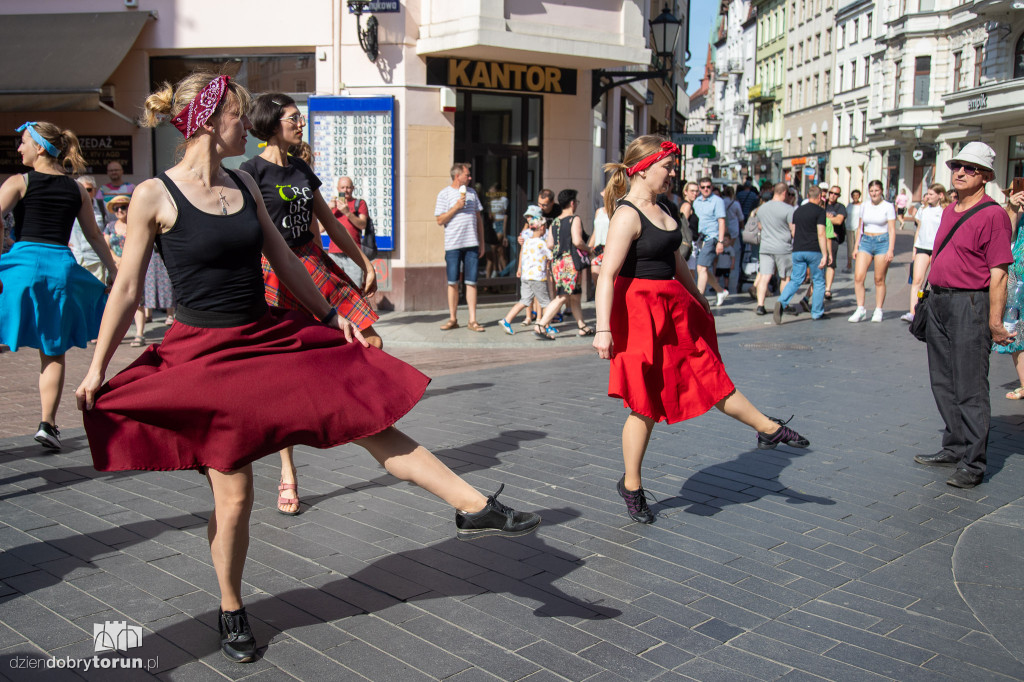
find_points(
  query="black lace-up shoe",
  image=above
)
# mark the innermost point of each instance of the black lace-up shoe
(495, 519)
(785, 435)
(236, 640)
(636, 502)
(963, 479)
(944, 458)
(48, 436)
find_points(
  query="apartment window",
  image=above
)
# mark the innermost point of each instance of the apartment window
(817, 44)
(791, 49)
(1018, 58)
(828, 41)
(840, 31)
(958, 65)
(863, 124)
(814, 93)
(839, 81)
(855, 32)
(979, 58)
(922, 80)
(897, 100)
(800, 95)
(850, 132)
(828, 85)
(867, 74)
(927, 5)
(868, 24)
(789, 97)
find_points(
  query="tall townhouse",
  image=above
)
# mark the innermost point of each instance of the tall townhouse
(703, 120)
(501, 84)
(852, 76)
(983, 96)
(734, 71)
(765, 96)
(808, 96)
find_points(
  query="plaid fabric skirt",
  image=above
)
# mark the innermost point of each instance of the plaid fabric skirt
(329, 278)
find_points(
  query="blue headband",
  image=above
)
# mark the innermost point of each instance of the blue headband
(40, 140)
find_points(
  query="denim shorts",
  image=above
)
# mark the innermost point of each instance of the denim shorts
(874, 244)
(469, 257)
(706, 253)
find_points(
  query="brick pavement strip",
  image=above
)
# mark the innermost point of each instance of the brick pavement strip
(831, 563)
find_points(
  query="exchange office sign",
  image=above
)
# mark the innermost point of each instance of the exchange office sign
(98, 150)
(454, 72)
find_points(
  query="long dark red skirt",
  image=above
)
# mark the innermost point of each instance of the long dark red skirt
(666, 363)
(223, 398)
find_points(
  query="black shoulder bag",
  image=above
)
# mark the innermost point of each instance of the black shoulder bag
(920, 322)
(369, 238)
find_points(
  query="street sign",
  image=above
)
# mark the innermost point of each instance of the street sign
(690, 138)
(704, 151)
(379, 6)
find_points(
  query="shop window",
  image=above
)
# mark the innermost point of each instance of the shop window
(1018, 58)
(922, 80)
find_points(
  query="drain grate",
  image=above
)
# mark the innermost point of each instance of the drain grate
(775, 346)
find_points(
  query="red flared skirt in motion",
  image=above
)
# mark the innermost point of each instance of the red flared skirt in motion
(665, 363)
(222, 398)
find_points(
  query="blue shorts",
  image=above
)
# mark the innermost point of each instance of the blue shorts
(706, 254)
(874, 244)
(469, 257)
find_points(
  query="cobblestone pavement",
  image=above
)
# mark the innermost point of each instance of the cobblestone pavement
(845, 561)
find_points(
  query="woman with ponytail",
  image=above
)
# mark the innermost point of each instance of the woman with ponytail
(655, 325)
(291, 193)
(47, 300)
(234, 379)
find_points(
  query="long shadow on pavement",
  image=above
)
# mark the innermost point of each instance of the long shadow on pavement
(745, 479)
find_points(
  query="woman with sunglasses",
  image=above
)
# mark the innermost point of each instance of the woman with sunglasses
(48, 300)
(235, 379)
(876, 239)
(291, 193)
(927, 220)
(654, 323)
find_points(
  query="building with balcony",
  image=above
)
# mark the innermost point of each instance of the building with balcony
(854, 50)
(734, 42)
(500, 84)
(807, 100)
(769, 81)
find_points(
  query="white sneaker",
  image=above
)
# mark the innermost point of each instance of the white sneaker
(877, 315)
(721, 298)
(858, 316)
(907, 317)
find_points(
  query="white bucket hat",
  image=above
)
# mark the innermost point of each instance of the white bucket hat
(977, 154)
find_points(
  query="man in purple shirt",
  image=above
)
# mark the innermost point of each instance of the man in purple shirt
(968, 283)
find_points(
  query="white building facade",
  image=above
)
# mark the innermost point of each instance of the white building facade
(734, 75)
(854, 50)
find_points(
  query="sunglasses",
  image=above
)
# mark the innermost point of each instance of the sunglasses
(967, 168)
(705, 186)
(118, 209)
(297, 119)
(834, 194)
(90, 189)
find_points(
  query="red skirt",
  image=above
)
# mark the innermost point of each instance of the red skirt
(666, 363)
(340, 291)
(222, 398)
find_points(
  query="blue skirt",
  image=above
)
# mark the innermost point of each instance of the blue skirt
(49, 301)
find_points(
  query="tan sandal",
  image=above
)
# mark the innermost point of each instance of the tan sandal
(1016, 394)
(285, 501)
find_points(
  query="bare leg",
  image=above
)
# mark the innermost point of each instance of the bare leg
(140, 322)
(228, 530)
(453, 301)
(372, 337)
(471, 301)
(1018, 363)
(860, 273)
(830, 277)
(549, 313)
(406, 459)
(576, 306)
(51, 385)
(636, 433)
(288, 476)
(739, 408)
(881, 268)
(921, 262)
(516, 309)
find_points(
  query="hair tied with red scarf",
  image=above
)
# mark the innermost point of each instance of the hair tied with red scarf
(200, 109)
(668, 148)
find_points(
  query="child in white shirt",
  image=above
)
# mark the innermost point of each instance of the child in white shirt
(534, 263)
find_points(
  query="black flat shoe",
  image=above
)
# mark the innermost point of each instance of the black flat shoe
(236, 640)
(962, 479)
(495, 519)
(944, 458)
(785, 435)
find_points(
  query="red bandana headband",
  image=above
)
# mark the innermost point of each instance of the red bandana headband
(667, 149)
(201, 108)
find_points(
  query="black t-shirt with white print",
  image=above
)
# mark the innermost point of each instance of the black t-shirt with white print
(288, 193)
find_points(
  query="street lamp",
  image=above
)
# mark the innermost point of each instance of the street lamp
(665, 30)
(368, 37)
(918, 133)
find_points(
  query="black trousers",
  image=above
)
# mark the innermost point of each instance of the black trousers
(959, 343)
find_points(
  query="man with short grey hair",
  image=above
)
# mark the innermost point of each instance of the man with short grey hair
(458, 211)
(776, 254)
(965, 313)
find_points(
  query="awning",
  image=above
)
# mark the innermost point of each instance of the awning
(59, 61)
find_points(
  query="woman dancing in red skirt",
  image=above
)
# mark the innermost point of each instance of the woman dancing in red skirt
(291, 193)
(235, 380)
(654, 324)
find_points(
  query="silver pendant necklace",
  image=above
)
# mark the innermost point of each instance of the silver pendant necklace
(221, 198)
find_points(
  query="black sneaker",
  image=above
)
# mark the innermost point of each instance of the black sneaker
(495, 519)
(805, 304)
(786, 435)
(236, 640)
(760, 310)
(48, 436)
(792, 310)
(636, 502)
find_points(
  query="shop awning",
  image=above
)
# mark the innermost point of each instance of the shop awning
(60, 61)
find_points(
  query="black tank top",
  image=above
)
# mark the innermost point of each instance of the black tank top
(652, 255)
(48, 210)
(213, 261)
